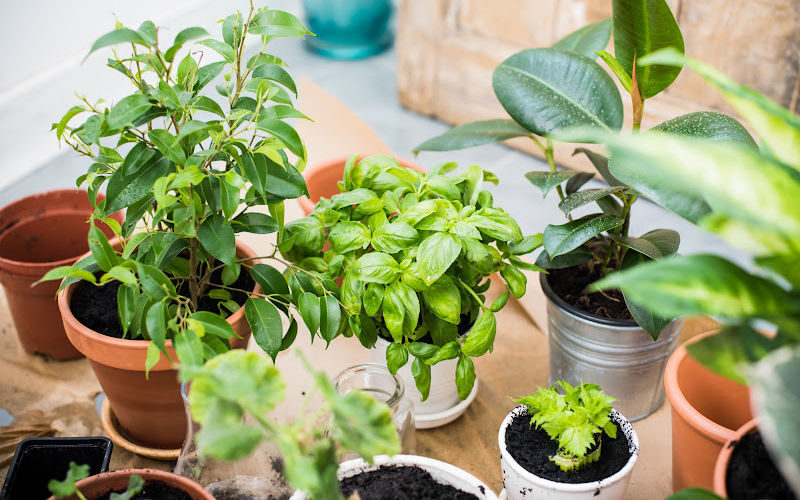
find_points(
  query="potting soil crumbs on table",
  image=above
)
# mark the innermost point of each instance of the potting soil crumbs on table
(390, 482)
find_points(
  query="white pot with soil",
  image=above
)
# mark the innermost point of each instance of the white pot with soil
(524, 449)
(443, 404)
(416, 476)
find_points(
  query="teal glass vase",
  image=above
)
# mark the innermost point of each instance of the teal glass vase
(348, 29)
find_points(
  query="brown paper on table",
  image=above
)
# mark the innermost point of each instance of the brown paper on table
(64, 392)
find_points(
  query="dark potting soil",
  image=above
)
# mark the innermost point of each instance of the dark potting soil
(752, 473)
(532, 449)
(96, 306)
(570, 284)
(154, 490)
(399, 482)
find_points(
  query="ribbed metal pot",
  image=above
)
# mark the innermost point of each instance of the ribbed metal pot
(617, 355)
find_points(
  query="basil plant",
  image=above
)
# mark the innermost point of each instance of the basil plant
(561, 93)
(413, 252)
(748, 196)
(191, 162)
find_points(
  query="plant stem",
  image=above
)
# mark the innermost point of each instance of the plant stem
(194, 289)
(551, 162)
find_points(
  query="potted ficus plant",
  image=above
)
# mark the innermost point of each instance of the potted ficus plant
(192, 172)
(567, 443)
(413, 252)
(546, 94)
(238, 384)
(714, 178)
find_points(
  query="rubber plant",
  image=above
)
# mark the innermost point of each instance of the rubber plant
(413, 252)
(576, 419)
(550, 91)
(748, 197)
(240, 383)
(192, 170)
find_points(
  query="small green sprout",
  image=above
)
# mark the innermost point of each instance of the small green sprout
(67, 487)
(575, 419)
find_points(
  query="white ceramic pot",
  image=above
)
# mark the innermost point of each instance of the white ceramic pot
(440, 471)
(521, 484)
(443, 404)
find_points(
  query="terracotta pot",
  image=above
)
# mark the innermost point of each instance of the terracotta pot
(149, 410)
(97, 486)
(706, 411)
(41, 232)
(322, 178)
(724, 457)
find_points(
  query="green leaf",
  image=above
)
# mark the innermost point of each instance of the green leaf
(496, 223)
(547, 181)
(694, 494)
(62, 124)
(284, 133)
(422, 377)
(515, 279)
(473, 134)
(277, 23)
(450, 350)
(348, 236)
(168, 145)
(587, 40)
(700, 284)
(376, 267)
(373, 298)
(119, 35)
(394, 237)
(621, 73)
(465, 376)
(560, 239)
(481, 336)
(216, 236)
(221, 48)
(581, 198)
(265, 321)
(444, 300)
(500, 302)
(422, 350)
(189, 348)
(205, 74)
(68, 272)
(436, 254)
(207, 104)
(65, 488)
(394, 312)
(600, 163)
(651, 323)
(309, 306)
(275, 73)
(654, 244)
(253, 222)
(544, 90)
(214, 324)
(121, 274)
(127, 110)
(103, 254)
(572, 258)
(154, 282)
(156, 322)
(642, 27)
(330, 317)
(269, 279)
(577, 181)
(708, 125)
(396, 357)
(182, 37)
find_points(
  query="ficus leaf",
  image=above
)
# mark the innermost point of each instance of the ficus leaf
(588, 39)
(473, 134)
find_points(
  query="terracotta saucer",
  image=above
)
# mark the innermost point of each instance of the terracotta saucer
(111, 427)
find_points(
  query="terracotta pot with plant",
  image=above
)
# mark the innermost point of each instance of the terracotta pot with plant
(599, 336)
(713, 178)
(191, 176)
(39, 233)
(413, 252)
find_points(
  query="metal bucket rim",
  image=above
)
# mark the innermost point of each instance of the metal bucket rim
(562, 304)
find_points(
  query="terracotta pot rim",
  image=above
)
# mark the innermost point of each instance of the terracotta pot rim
(724, 457)
(185, 484)
(131, 344)
(710, 429)
(305, 202)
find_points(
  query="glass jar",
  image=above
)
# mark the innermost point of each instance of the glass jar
(376, 381)
(258, 476)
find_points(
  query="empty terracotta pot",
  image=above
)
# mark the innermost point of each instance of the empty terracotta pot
(707, 409)
(41, 232)
(322, 180)
(149, 410)
(724, 458)
(96, 486)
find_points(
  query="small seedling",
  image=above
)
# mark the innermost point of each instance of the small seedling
(575, 419)
(67, 487)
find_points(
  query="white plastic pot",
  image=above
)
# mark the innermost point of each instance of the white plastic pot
(443, 404)
(521, 484)
(440, 471)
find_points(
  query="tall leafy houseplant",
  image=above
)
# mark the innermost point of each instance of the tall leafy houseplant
(750, 198)
(238, 384)
(548, 91)
(412, 252)
(191, 170)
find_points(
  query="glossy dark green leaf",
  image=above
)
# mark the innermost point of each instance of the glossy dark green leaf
(544, 90)
(309, 307)
(253, 222)
(394, 312)
(465, 376)
(396, 357)
(581, 198)
(275, 73)
(422, 377)
(577, 181)
(587, 40)
(330, 317)
(558, 240)
(444, 299)
(156, 321)
(134, 180)
(269, 279)
(154, 282)
(642, 27)
(103, 254)
(600, 163)
(265, 321)
(205, 74)
(221, 48)
(708, 125)
(367, 333)
(214, 324)
(284, 133)
(127, 296)
(654, 244)
(474, 134)
(216, 236)
(547, 181)
(481, 336)
(168, 145)
(127, 110)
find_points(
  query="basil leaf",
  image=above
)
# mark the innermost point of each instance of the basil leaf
(465, 376)
(436, 254)
(422, 377)
(444, 299)
(348, 236)
(481, 337)
(450, 350)
(373, 297)
(396, 357)
(376, 267)
(394, 237)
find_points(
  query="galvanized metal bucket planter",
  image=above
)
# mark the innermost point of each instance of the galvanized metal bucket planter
(618, 355)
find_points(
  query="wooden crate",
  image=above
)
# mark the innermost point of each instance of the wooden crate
(448, 49)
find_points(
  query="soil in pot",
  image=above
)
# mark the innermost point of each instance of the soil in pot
(96, 306)
(570, 284)
(401, 482)
(752, 473)
(154, 490)
(532, 449)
